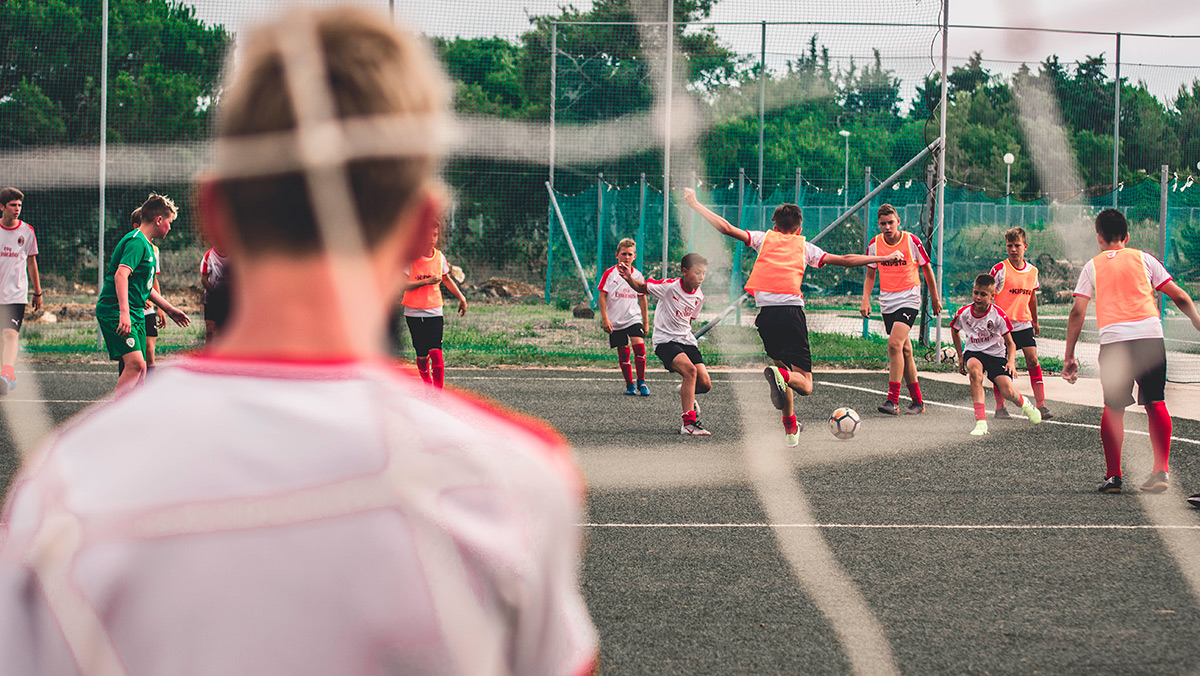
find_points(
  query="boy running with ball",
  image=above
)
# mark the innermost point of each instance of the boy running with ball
(1016, 294)
(775, 281)
(900, 303)
(623, 316)
(989, 351)
(679, 302)
(1123, 282)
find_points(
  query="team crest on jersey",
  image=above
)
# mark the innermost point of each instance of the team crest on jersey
(20, 240)
(991, 325)
(130, 341)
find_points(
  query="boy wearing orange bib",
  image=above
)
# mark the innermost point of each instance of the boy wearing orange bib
(775, 281)
(423, 310)
(900, 303)
(1123, 282)
(1016, 294)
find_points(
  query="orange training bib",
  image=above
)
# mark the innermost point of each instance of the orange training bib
(1123, 292)
(1019, 286)
(779, 267)
(896, 275)
(429, 296)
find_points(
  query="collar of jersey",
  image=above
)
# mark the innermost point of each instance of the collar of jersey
(285, 367)
(985, 312)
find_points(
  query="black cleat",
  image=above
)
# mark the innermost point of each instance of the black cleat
(1002, 414)
(915, 408)
(890, 407)
(1046, 414)
(1111, 485)
(1194, 500)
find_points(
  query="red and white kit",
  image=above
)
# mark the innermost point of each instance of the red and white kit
(214, 265)
(983, 333)
(891, 301)
(623, 308)
(331, 518)
(675, 312)
(17, 244)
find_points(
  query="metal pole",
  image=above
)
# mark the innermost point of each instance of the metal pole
(669, 83)
(846, 178)
(641, 231)
(941, 161)
(599, 226)
(587, 288)
(692, 218)
(1008, 195)
(799, 178)
(762, 103)
(553, 119)
(1162, 228)
(1116, 125)
(101, 263)
(866, 240)
(735, 275)
(392, 10)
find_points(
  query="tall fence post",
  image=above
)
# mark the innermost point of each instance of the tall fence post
(553, 120)
(101, 264)
(641, 231)
(669, 82)
(1116, 125)
(1163, 214)
(866, 333)
(762, 103)
(599, 228)
(692, 215)
(941, 163)
(799, 185)
(735, 274)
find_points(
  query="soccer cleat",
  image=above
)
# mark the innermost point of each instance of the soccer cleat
(1031, 412)
(1046, 414)
(642, 389)
(980, 428)
(695, 429)
(915, 408)
(778, 387)
(1194, 500)
(1002, 414)
(1111, 485)
(890, 407)
(792, 439)
(1156, 483)
(631, 389)
(5, 385)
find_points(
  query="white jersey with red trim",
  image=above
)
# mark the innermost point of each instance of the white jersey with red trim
(337, 518)
(998, 273)
(214, 265)
(675, 311)
(983, 333)
(17, 244)
(622, 301)
(814, 257)
(891, 301)
(1151, 327)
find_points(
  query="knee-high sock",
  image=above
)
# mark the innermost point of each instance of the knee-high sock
(980, 411)
(999, 398)
(914, 391)
(1039, 388)
(639, 359)
(423, 369)
(893, 392)
(1112, 435)
(1160, 434)
(626, 367)
(438, 367)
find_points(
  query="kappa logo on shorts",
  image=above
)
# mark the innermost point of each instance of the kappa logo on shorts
(130, 341)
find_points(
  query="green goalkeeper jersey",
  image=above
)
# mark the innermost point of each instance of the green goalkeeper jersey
(135, 252)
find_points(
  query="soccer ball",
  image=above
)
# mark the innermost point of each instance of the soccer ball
(843, 423)
(947, 355)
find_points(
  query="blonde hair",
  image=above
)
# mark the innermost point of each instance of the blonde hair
(373, 70)
(626, 243)
(135, 218)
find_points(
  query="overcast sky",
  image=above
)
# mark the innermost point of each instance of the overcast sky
(907, 51)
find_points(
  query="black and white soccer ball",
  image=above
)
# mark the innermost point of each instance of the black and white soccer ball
(947, 355)
(844, 422)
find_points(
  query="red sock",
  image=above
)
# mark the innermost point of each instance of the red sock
(9, 372)
(423, 369)
(914, 391)
(1112, 434)
(1039, 387)
(789, 424)
(438, 366)
(787, 375)
(626, 367)
(1160, 434)
(980, 411)
(689, 416)
(999, 399)
(894, 392)
(639, 359)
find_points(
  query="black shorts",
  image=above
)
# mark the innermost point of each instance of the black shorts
(1122, 364)
(992, 365)
(905, 315)
(426, 333)
(620, 337)
(12, 316)
(152, 325)
(1024, 338)
(668, 351)
(216, 305)
(784, 333)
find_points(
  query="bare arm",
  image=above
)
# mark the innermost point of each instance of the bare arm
(1033, 303)
(627, 274)
(859, 260)
(206, 281)
(722, 226)
(935, 301)
(645, 314)
(1010, 348)
(1070, 371)
(868, 286)
(1182, 301)
(462, 300)
(958, 348)
(178, 316)
(602, 304)
(35, 280)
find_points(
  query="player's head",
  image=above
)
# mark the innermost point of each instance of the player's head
(373, 71)
(888, 219)
(626, 251)
(694, 267)
(157, 213)
(10, 201)
(434, 234)
(1111, 227)
(788, 218)
(1015, 242)
(135, 218)
(984, 291)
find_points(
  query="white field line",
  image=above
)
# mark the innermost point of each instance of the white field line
(897, 526)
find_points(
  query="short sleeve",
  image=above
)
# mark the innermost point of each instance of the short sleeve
(998, 273)
(1087, 281)
(757, 238)
(641, 278)
(871, 252)
(132, 254)
(699, 307)
(954, 323)
(658, 287)
(1007, 327)
(31, 248)
(606, 280)
(814, 256)
(917, 251)
(1157, 273)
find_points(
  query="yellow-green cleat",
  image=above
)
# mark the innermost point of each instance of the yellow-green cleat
(980, 428)
(1031, 412)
